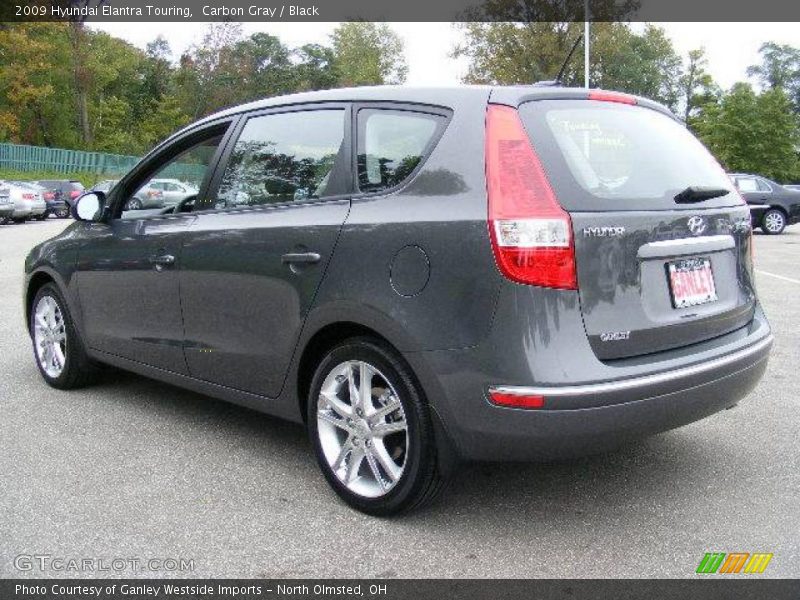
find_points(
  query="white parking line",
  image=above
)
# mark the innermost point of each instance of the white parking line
(789, 279)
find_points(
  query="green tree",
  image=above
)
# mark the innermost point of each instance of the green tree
(206, 75)
(315, 68)
(621, 59)
(368, 54)
(697, 87)
(779, 68)
(752, 132)
(35, 85)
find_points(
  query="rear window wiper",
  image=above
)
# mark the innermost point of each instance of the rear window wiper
(698, 193)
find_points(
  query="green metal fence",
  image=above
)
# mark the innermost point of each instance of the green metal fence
(102, 164)
(60, 160)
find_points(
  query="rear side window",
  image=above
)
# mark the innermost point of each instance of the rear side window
(609, 156)
(391, 144)
(283, 157)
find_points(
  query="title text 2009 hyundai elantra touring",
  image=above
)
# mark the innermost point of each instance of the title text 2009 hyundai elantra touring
(421, 276)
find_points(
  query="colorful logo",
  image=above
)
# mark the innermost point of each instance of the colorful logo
(734, 562)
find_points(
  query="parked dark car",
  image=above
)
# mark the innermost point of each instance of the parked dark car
(474, 273)
(772, 205)
(66, 190)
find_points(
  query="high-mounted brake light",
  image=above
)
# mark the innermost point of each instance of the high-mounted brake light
(531, 234)
(605, 96)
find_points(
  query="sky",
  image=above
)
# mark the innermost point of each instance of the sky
(730, 47)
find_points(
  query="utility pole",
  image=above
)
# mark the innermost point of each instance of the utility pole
(586, 43)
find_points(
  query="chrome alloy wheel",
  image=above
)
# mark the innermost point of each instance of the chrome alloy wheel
(49, 336)
(774, 221)
(362, 428)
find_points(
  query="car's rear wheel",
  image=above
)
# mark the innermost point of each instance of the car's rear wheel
(133, 204)
(59, 352)
(62, 213)
(773, 222)
(371, 429)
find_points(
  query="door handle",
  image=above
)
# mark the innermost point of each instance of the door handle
(162, 260)
(300, 257)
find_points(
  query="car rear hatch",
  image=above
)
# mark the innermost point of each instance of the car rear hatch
(661, 238)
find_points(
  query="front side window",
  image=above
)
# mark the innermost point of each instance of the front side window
(283, 157)
(190, 166)
(391, 143)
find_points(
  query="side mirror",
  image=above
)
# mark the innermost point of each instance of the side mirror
(89, 206)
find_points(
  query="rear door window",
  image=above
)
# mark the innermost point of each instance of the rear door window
(763, 186)
(747, 184)
(608, 156)
(392, 144)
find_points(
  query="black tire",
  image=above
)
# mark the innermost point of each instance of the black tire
(773, 222)
(421, 480)
(133, 204)
(62, 213)
(42, 217)
(78, 371)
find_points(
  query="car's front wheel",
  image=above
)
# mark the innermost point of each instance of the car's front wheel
(773, 222)
(59, 352)
(371, 429)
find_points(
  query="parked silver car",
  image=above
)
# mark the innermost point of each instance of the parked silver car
(6, 204)
(28, 201)
(40, 200)
(161, 193)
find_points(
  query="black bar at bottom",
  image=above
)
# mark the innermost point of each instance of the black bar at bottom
(711, 587)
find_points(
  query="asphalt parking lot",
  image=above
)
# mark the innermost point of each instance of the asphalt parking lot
(135, 468)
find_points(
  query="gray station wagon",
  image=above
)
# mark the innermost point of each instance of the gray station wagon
(421, 276)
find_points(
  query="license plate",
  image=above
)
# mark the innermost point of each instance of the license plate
(691, 282)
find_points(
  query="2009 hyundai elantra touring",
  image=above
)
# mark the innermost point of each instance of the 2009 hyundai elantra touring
(421, 276)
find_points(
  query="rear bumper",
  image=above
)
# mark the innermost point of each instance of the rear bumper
(647, 408)
(589, 405)
(635, 409)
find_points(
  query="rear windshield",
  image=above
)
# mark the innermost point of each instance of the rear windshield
(610, 156)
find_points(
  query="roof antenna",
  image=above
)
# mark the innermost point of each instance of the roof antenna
(557, 81)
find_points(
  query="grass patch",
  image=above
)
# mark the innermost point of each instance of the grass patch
(87, 179)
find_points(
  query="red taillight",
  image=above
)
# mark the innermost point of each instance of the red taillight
(605, 96)
(49, 196)
(74, 194)
(516, 400)
(28, 196)
(531, 234)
